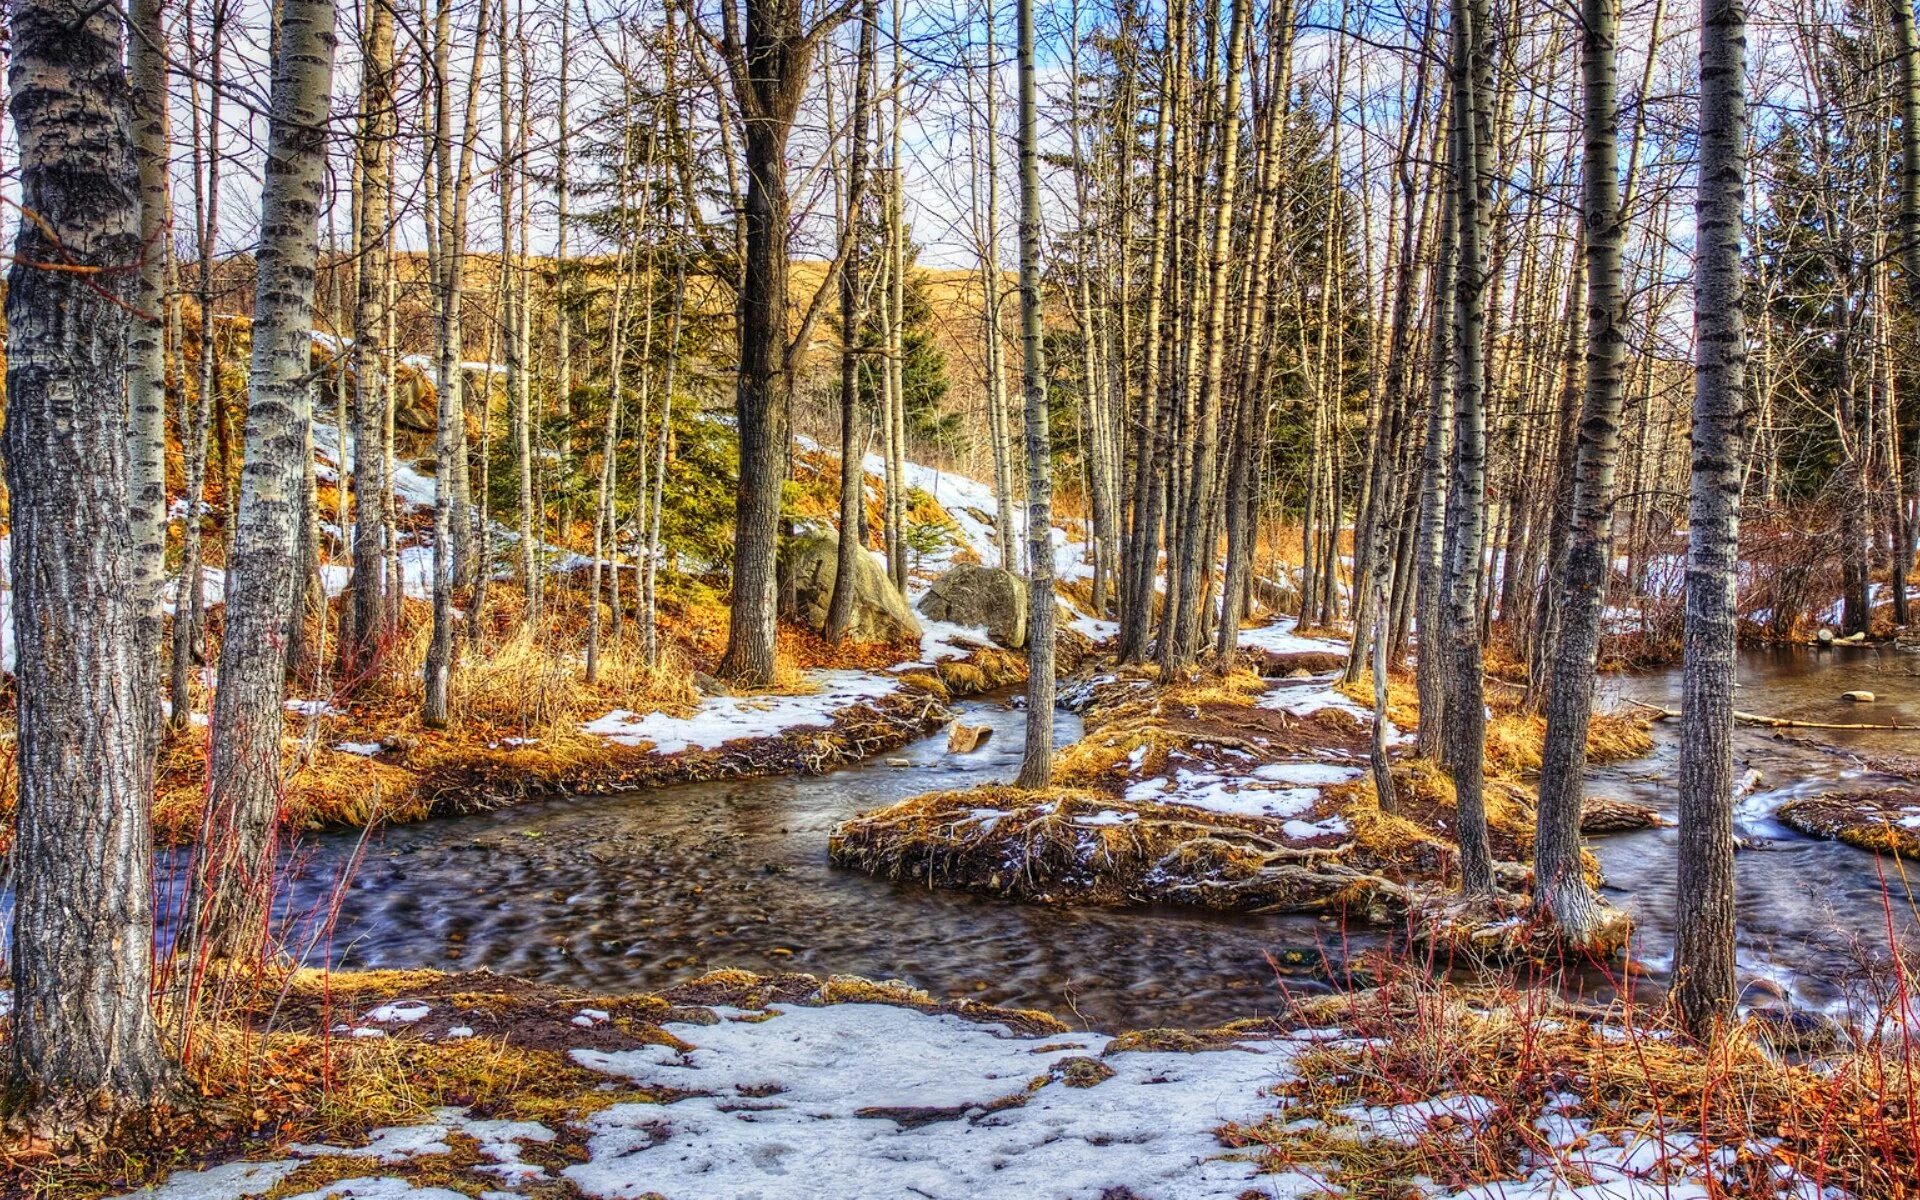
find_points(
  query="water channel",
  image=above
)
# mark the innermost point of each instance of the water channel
(634, 892)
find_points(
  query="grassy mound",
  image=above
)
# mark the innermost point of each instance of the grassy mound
(1062, 844)
(1874, 820)
(1128, 818)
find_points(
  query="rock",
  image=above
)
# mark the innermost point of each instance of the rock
(1858, 696)
(880, 612)
(707, 685)
(969, 594)
(1824, 637)
(1291, 664)
(965, 739)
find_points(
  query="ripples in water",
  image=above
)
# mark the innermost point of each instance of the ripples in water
(638, 891)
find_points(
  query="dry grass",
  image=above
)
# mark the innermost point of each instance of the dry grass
(1081, 846)
(1733, 1111)
(1515, 738)
(1869, 820)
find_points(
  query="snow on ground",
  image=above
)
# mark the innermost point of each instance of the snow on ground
(1271, 796)
(1304, 697)
(877, 1101)
(410, 485)
(888, 1103)
(1280, 638)
(1091, 628)
(943, 640)
(721, 719)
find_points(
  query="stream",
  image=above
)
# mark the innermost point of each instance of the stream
(638, 891)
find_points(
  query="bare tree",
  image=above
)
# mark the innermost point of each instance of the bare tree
(1703, 978)
(235, 859)
(1036, 765)
(452, 166)
(366, 632)
(1561, 895)
(189, 605)
(146, 347)
(1466, 498)
(853, 475)
(85, 1051)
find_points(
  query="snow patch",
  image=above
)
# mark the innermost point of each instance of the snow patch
(722, 719)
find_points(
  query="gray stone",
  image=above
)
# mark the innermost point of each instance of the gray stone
(880, 612)
(973, 595)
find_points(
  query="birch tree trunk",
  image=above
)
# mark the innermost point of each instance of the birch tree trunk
(1006, 532)
(1466, 500)
(513, 318)
(189, 596)
(146, 351)
(1136, 616)
(235, 867)
(448, 222)
(85, 1051)
(1703, 965)
(893, 327)
(1197, 546)
(1561, 895)
(1907, 43)
(1036, 765)
(363, 645)
(853, 475)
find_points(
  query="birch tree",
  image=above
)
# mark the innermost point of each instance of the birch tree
(367, 626)
(1561, 894)
(234, 872)
(853, 476)
(1703, 964)
(1036, 765)
(1466, 499)
(146, 346)
(85, 1052)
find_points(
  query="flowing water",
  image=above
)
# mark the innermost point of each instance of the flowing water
(1811, 913)
(637, 891)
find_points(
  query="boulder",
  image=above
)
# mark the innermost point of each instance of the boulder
(880, 612)
(970, 594)
(1858, 696)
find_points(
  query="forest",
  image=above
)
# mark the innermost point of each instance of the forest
(1061, 599)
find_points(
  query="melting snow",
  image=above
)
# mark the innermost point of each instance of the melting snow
(1280, 638)
(878, 1101)
(722, 719)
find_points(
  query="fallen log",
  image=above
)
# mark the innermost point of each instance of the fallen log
(1747, 718)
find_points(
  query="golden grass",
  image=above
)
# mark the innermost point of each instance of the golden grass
(1515, 738)
(1846, 1123)
(1061, 844)
(516, 707)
